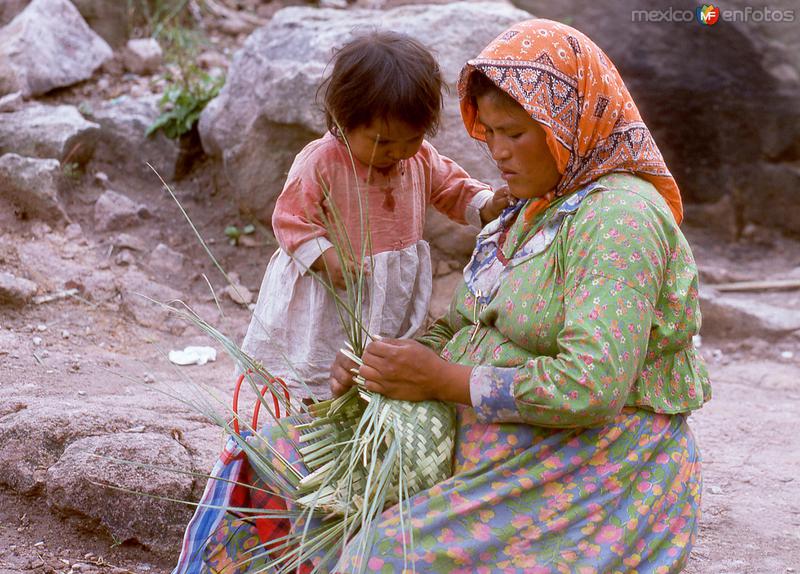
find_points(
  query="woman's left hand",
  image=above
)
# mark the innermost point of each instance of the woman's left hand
(402, 369)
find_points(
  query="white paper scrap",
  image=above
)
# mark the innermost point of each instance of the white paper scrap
(193, 356)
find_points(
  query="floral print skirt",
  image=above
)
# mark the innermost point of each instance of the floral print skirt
(624, 498)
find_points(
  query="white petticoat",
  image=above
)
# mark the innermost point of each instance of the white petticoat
(295, 331)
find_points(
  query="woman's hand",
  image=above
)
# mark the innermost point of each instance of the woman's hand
(408, 370)
(341, 375)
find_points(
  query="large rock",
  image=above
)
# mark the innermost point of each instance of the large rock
(92, 473)
(114, 210)
(48, 45)
(723, 101)
(266, 111)
(58, 132)
(16, 291)
(32, 187)
(730, 316)
(109, 18)
(141, 300)
(34, 437)
(122, 141)
(143, 56)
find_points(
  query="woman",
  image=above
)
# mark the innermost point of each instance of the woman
(569, 346)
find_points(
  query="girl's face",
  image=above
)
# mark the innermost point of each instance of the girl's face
(383, 143)
(518, 146)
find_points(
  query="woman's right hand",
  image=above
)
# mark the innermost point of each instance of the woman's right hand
(341, 374)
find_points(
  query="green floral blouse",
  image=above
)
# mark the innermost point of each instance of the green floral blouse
(601, 319)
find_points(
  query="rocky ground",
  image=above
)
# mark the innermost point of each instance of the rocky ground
(85, 381)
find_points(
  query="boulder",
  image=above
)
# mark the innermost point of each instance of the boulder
(737, 316)
(32, 187)
(15, 291)
(142, 56)
(48, 45)
(722, 101)
(122, 141)
(34, 438)
(108, 480)
(111, 19)
(114, 210)
(58, 132)
(140, 302)
(266, 111)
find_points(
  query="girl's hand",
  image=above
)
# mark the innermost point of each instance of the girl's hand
(329, 264)
(493, 208)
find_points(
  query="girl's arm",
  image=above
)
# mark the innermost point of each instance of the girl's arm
(297, 222)
(452, 191)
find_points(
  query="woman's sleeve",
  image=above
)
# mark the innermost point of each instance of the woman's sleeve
(453, 192)
(614, 261)
(297, 220)
(438, 335)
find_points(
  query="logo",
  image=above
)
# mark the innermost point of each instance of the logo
(707, 14)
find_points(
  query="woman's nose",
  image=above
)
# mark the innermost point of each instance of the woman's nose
(499, 151)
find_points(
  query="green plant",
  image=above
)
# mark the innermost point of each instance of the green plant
(149, 17)
(190, 88)
(86, 110)
(234, 233)
(71, 170)
(115, 541)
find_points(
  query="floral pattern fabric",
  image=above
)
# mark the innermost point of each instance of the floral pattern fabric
(622, 498)
(601, 319)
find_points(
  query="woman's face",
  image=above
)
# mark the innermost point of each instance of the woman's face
(383, 143)
(518, 146)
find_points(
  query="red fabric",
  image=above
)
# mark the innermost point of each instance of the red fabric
(396, 201)
(244, 495)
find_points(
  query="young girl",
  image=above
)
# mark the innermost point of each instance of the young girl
(382, 97)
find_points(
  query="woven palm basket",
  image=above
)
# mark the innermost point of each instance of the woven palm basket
(422, 434)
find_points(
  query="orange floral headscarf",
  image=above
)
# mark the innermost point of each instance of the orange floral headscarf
(568, 85)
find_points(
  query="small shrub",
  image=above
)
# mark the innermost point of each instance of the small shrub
(181, 105)
(189, 89)
(72, 171)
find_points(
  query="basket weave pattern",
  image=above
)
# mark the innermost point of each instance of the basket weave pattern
(424, 432)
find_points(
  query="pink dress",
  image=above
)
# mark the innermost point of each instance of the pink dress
(295, 331)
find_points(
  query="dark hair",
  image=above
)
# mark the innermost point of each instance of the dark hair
(383, 75)
(479, 85)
